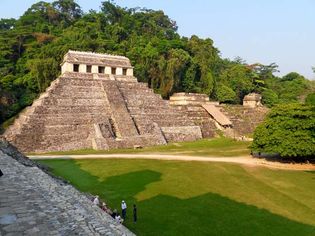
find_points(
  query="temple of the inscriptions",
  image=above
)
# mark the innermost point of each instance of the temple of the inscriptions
(97, 103)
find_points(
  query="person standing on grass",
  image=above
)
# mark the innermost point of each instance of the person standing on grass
(134, 213)
(123, 209)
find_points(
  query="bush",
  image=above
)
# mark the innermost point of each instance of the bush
(289, 131)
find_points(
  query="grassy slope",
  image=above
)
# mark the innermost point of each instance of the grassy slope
(180, 198)
(205, 147)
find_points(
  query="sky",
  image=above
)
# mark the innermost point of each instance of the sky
(264, 31)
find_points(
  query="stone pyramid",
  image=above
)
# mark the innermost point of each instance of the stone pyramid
(98, 103)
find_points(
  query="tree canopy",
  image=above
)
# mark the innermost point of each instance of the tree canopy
(32, 48)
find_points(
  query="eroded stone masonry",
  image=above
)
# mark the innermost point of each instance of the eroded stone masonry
(98, 103)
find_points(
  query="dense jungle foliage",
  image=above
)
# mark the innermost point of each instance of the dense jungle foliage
(32, 48)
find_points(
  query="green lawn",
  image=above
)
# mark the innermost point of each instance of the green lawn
(191, 198)
(224, 147)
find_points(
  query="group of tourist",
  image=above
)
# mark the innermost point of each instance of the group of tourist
(114, 213)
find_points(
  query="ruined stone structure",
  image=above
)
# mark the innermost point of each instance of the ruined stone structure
(233, 120)
(192, 105)
(244, 119)
(252, 100)
(98, 103)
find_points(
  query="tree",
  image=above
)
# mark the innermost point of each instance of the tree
(289, 131)
(7, 24)
(189, 80)
(239, 79)
(269, 98)
(291, 87)
(43, 71)
(292, 76)
(206, 83)
(175, 71)
(69, 10)
(310, 99)
(225, 94)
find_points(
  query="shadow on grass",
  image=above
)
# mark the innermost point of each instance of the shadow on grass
(310, 172)
(211, 214)
(278, 158)
(207, 214)
(126, 186)
(112, 190)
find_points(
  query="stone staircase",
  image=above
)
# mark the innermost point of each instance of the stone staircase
(146, 108)
(125, 126)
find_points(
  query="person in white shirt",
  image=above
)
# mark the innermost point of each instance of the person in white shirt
(118, 219)
(96, 201)
(123, 209)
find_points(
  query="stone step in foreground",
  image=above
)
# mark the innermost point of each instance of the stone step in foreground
(34, 203)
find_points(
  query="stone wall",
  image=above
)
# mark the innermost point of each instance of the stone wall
(244, 119)
(179, 134)
(200, 117)
(188, 99)
(34, 203)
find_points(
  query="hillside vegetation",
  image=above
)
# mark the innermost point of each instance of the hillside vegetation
(32, 47)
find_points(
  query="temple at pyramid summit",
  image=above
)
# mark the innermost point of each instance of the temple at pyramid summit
(97, 103)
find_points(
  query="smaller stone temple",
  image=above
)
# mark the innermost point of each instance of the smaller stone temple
(96, 63)
(252, 100)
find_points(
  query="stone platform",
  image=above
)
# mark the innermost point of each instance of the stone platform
(34, 203)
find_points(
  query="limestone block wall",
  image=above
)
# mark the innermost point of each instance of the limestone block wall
(188, 99)
(66, 67)
(130, 72)
(200, 117)
(252, 104)
(244, 119)
(179, 134)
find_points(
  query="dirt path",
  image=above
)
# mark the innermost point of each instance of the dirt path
(245, 160)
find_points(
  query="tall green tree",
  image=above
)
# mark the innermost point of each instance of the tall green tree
(239, 78)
